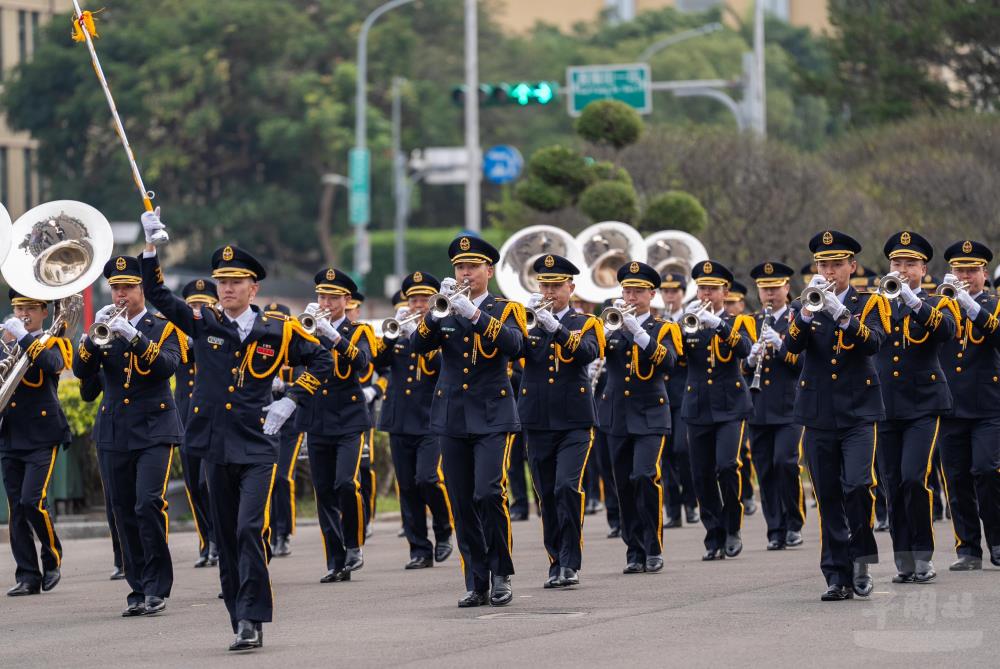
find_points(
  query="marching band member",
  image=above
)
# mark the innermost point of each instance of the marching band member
(290, 443)
(32, 427)
(197, 292)
(234, 422)
(137, 429)
(557, 412)
(970, 434)
(372, 391)
(634, 413)
(774, 436)
(716, 406)
(474, 414)
(676, 461)
(839, 403)
(416, 454)
(736, 304)
(517, 481)
(915, 393)
(598, 375)
(336, 419)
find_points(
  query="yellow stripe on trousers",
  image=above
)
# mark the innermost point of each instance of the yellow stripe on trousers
(163, 498)
(357, 493)
(45, 513)
(290, 477)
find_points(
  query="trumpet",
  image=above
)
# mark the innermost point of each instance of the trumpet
(308, 320)
(951, 289)
(441, 303)
(531, 313)
(614, 317)
(691, 321)
(100, 333)
(392, 328)
(813, 297)
(890, 286)
(764, 327)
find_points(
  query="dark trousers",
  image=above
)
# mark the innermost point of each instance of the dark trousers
(881, 513)
(636, 463)
(746, 470)
(715, 469)
(116, 545)
(137, 484)
(676, 467)
(420, 484)
(475, 475)
(842, 468)
(517, 484)
(602, 453)
(970, 455)
(905, 458)
(241, 509)
(366, 477)
(776, 459)
(26, 476)
(283, 497)
(558, 460)
(335, 462)
(196, 488)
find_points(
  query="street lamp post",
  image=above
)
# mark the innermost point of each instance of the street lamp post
(472, 195)
(677, 38)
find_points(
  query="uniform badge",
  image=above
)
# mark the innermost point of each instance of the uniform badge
(827, 237)
(768, 268)
(199, 284)
(215, 341)
(633, 268)
(227, 253)
(550, 261)
(905, 239)
(418, 277)
(330, 274)
(464, 244)
(967, 246)
(265, 350)
(120, 264)
(706, 268)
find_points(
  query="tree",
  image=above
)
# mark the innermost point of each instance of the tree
(674, 210)
(609, 122)
(610, 201)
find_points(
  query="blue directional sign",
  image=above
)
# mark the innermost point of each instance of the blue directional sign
(502, 164)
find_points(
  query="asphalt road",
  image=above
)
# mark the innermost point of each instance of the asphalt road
(759, 608)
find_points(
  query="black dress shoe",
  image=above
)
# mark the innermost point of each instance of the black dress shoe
(50, 579)
(966, 563)
(793, 538)
(281, 547)
(713, 554)
(634, 568)
(201, 562)
(734, 545)
(401, 533)
(336, 576)
(22, 589)
(881, 526)
(355, 560)
(213, 554)
(591, 507)
(442, 551)
(369, 531)
(837, 593)
(154, 605)
(502, 593)
(673, 523)
(775, 545)
(248, 636)
(615, 533)
(903, 577)
(118, 574)
(995, 555)
(691, 515)
(568, 578)
(519, 515)
(221, 596)
(134, 609)
(473, 598)
(863, 583)
(555, 575)
(749, 506)
(419, 563)
(654, 563)
(924, 571)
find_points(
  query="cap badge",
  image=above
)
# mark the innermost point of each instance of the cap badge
(330, 274)
(905, 239)
(120, 264)
(768, 268)
(418, 277)
(550, 261)
(633, 268)
(464, 244)
(827, 237)
(227, 253)
(199, 284)
(967, 246)
(706, 268)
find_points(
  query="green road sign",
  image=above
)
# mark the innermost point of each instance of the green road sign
(360, 165)
(628, 83)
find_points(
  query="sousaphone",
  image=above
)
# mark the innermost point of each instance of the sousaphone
(606, 247)
(514, 273)
(675, 252)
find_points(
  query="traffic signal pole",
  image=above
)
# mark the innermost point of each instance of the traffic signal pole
(472, 183)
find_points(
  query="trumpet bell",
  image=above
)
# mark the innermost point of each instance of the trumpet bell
(606, 247)
(391, 328)
(890, 286)
(690, 323)
(514, 273)
(613, 317)
(675, 252)
(58, 248)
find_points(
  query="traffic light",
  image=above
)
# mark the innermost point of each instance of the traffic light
(521, 93)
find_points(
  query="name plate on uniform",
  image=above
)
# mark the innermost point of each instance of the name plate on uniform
(444, 329)
(217, 341)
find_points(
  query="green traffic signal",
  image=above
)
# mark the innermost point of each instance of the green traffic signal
(522, 93)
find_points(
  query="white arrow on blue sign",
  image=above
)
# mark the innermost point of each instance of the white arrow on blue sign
(502, 164)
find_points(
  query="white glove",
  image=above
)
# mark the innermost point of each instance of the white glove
(326, 329)
(105, 313)
(277, 385)
(463, 306)
(950, 278)
(771, 337)
(277, 413)
(549, 322)
(312, 308)
(156, 232)
(448, 286)
(619, 303)
(833, 306)
(710, 320)
(968, 303)
(909, 298)
(631, 323)
(755, 352)
(534, 300)
(15, 327)
(818, 281)
(369, 394)
(402, 313)
(123, 329)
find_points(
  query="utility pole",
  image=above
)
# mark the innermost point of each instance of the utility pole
(399, 186)
(472, 194)
(758, 88)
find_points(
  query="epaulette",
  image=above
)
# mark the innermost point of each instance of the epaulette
(160, 316)
(276, 315)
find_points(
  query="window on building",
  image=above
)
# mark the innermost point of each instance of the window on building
(36, 19)
(697, 5)
(29, 179)
(778, 8)
(4, 192)
(22, 34)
